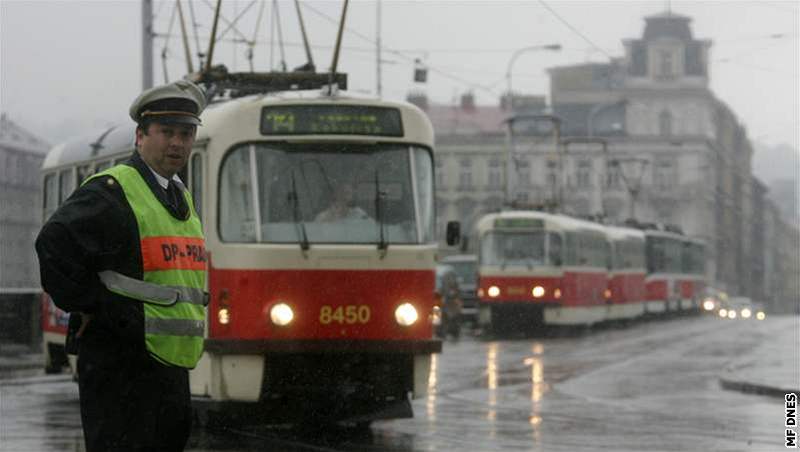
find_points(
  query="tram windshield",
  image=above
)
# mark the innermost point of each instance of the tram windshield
(327, 193)
(520, 248)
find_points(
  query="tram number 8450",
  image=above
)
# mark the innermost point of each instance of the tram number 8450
(349, 314)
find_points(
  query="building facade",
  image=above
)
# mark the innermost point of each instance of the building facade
(21, 156)
(655, 144)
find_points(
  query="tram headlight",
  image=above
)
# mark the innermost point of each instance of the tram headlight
(760, 315)
(746, 313)
(224, 316)
(494, 291)
(708, 305)
(557, 294)
(281, 314)
(406, 314)
(723, 313)
(538, 292)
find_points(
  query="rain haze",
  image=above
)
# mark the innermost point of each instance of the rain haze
(72, 66)
(387, 277)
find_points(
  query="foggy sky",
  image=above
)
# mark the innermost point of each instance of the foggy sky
(70, 67)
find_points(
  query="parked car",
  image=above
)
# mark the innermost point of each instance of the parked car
(448, 300)
(466, 267)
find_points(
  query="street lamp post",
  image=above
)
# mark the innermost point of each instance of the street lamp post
(514, 56)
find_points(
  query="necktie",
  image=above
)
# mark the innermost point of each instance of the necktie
(172, 195)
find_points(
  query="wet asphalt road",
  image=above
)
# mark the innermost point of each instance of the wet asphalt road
(649, 386)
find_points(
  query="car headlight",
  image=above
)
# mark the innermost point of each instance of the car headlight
(760, 315)
(538, 292)
(436, 316)
(406, 314)
(746, 313)
(723, 313)
(494, 291)
(731, 314)
(708, 305)
(281, 314)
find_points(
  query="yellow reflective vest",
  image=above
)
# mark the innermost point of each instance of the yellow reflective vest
(174, 269)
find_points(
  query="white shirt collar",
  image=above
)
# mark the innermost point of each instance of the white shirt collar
(162, 181)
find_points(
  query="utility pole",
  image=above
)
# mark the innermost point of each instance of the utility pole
(378, 87)
(147, 44)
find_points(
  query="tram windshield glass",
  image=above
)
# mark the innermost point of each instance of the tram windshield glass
(518, 248)
(327, 193)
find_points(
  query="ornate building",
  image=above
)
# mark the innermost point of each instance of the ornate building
(657, 145)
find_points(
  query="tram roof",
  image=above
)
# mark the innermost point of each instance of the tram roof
(557, 221)
(120, 138)
(622, 233)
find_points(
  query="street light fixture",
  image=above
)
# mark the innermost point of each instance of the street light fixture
(514, 56)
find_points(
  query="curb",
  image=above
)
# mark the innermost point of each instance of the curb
(754, 388)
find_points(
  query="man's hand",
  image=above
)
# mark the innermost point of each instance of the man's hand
(85, 319)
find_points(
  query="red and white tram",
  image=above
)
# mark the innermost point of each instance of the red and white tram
(319, 220)
(626, 278)
(665, 275)
(537, 268)
(693, 283)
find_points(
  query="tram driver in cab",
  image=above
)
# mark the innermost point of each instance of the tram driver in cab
(343, 205)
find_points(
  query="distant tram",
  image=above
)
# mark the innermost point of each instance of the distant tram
(537, 269)
(311, 314)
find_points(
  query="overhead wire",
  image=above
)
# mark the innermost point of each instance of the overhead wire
(400, 54)
(575, 30)
(166, 43)
(200, 53)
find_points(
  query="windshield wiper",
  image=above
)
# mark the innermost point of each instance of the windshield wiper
(298, 221)
(383, 245)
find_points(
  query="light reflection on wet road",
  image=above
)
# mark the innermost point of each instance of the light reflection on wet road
(651, 386)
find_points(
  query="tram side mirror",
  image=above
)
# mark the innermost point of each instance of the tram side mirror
(453, 233)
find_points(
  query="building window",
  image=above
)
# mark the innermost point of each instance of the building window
(665, 175)
(583, 175)
(552, 178)
(523, 173)
(495, 174)
(665, 124)
(613, 176)
(465, 175)
(665, 62)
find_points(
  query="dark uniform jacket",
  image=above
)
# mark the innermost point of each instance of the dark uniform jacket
(122, 387)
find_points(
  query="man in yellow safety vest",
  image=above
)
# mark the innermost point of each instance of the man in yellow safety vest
(125, 255)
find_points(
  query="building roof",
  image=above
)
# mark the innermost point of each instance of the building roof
(669, 25)
(456, 120)
(12, 136)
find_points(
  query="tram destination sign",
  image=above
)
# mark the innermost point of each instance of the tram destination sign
(331, 120)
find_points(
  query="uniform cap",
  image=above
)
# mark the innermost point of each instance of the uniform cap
(177, 102)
